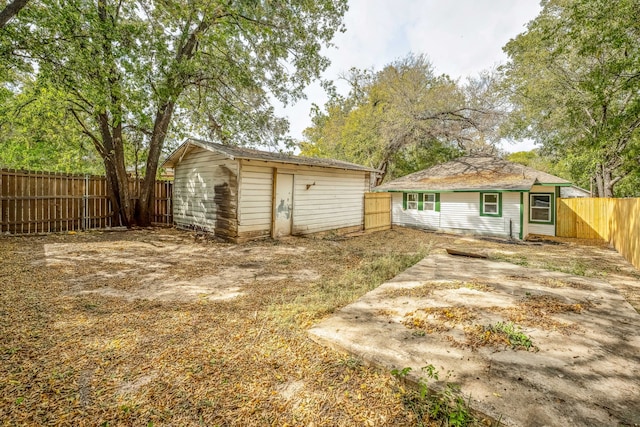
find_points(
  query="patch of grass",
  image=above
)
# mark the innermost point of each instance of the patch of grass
(514, 334)
(574, 267)
(513, 259)
(330, 294)
(445, 406)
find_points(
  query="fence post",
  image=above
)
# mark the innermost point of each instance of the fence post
(85, 204)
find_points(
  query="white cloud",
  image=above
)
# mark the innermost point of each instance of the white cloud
(461, 38)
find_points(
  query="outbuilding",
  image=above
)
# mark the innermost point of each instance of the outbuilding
(479, 194)
(240, 194)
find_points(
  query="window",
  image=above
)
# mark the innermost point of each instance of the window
(429, 202)
(541, 208)
(490, 204)
(412, 201)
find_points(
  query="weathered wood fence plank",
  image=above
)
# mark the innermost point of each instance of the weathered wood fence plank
(43, 202)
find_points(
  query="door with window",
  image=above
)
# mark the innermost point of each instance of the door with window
(283, 205)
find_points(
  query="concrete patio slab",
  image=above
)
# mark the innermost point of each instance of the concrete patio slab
(583, 367)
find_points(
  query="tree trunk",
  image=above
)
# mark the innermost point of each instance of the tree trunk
(114, 164)
(11, 10)
(607, 183)
(147, 196)
(599, 180)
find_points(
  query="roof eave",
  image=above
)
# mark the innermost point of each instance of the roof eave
(450, 190)
(176, 156)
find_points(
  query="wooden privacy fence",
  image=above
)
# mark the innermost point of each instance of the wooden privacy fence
(43, 202)
(616, 221)
(377, 211)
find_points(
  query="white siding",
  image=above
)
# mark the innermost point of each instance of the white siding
(460, 212)
(413, 218)
(194, 192)
(541, 229)
(254, 210)
(334, 198)
(326, 199)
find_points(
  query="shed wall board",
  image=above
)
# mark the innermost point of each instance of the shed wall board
(325, 201)
(205, 183)
(334, 198)
(255, 207)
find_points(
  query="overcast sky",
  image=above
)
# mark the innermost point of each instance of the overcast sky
(460, 37)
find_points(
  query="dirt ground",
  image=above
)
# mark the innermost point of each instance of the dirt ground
(156, 327)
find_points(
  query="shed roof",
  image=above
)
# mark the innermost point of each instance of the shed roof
(234, 152)
(474, 173)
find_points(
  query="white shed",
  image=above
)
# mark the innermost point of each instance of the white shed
(481, 195)
(242, 194)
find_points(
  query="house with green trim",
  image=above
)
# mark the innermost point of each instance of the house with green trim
(477, 194)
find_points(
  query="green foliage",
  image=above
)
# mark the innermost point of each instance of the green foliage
(554, 165)
(404, 118)
(133, 74)
(36, 134)
(515, 336)
(573, 78)
(447, 406)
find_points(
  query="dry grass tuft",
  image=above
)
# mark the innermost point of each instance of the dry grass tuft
(103, 329)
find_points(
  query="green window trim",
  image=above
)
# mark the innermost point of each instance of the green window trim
(420, 199)
(420, 196)
(521, 215)
(552, 208)
(482, 204)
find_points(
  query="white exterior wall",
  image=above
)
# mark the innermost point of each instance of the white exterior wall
(256, 187)
(460, 212)
(541, 229)
(334, 199)
(194, 191)
(413, 218)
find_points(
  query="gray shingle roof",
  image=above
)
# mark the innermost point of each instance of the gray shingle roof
(234, 152)
(473, 173)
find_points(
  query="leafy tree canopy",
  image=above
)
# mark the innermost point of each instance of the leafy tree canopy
(36, 134)
(405, 118)
(133, 73)
(574, 80)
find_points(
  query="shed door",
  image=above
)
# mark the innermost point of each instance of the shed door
(283, 205)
